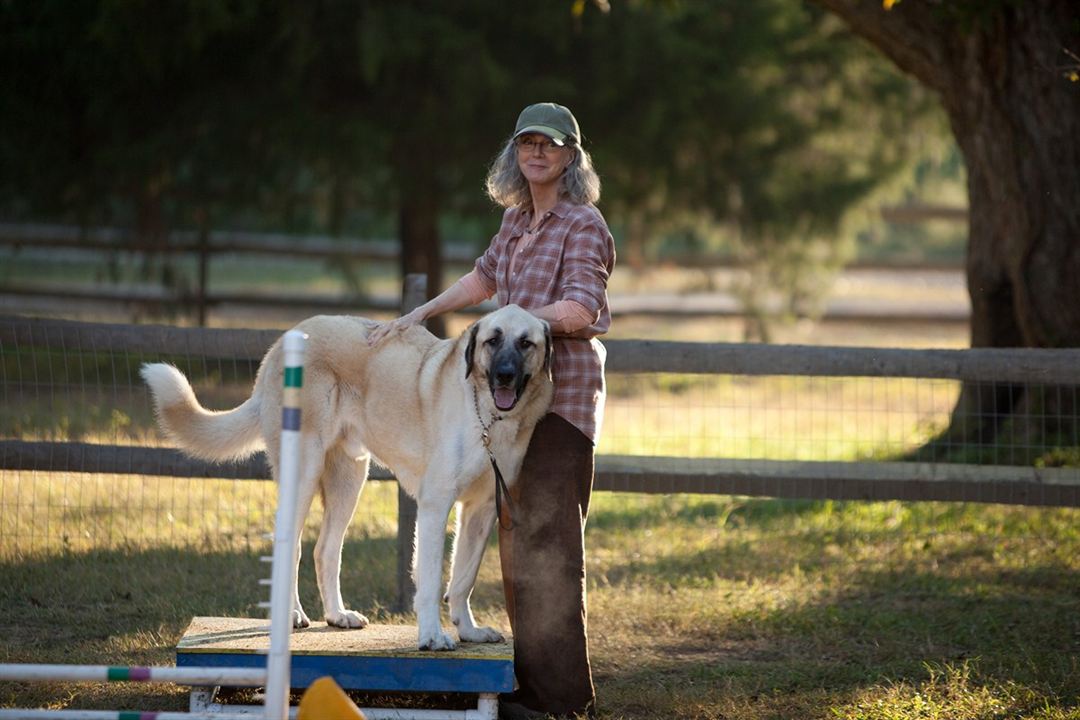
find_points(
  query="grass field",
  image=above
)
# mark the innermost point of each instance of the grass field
(705, 607)
(700, 607)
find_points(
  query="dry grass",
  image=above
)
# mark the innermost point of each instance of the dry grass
(700, 607)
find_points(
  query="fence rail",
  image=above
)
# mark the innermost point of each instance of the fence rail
(1008, 484)
(52, 236)
(199, 297)
(19, 235)
(1019, 365)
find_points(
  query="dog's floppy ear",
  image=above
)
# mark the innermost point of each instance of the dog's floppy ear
(470, 349)
(548, 350)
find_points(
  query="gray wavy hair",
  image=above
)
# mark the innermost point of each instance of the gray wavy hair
(508, 187)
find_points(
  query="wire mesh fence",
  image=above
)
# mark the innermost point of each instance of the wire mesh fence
(80, 415)
(775, 417)
(84, 467)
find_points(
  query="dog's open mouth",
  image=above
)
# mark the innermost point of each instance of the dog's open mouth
(505, 397)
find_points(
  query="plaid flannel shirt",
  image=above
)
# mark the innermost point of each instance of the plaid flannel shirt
(570, 257)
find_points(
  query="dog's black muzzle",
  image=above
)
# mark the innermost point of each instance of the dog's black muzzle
(507, 377)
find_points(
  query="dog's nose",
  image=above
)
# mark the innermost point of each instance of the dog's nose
(505, 373)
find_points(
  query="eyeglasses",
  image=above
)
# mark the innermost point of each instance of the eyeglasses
(531, 145)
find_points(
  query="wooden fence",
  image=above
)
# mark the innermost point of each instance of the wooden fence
(791, 479)
(640, 474)
(200, 298)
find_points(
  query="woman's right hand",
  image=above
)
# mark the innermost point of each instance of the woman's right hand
(394, 326)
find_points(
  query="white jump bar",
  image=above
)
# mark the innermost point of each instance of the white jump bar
(18, 714)
(211, 677)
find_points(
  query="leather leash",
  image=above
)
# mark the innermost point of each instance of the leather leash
(500, 484)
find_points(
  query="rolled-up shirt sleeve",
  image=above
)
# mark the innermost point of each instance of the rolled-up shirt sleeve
(475, 287)
(585, 268)
(571, 316)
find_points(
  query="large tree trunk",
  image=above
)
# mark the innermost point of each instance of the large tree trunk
(1016, 117)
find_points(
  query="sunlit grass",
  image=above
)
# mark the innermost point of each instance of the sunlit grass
(776, 418)
(66, 512)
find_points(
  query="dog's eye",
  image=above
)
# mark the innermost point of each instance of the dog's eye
(492, 341)
(525, 343)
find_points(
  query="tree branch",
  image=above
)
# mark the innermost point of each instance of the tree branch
(910, 33)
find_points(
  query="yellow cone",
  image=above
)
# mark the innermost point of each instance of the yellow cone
(324, 700)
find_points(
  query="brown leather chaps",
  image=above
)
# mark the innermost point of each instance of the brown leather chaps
(543, 567)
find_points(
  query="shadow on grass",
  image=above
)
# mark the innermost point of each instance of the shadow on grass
(93, 607)
(869, 626)
(636, 512)
(131, 607)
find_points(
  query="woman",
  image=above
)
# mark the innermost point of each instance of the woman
(552, 255)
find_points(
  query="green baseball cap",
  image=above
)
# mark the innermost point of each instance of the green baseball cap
(555, 121)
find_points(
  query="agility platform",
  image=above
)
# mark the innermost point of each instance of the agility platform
(380, 658)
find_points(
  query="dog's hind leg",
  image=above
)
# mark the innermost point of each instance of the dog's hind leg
(342, 482)
(476, 517)
(433, 507)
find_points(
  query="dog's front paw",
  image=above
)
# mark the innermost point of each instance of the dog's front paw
(437, 641)
(347, 619)
(300, 619)
(480, 635)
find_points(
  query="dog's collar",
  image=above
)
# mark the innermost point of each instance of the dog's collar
(500, 484)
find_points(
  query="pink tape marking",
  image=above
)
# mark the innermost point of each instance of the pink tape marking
(139, 674)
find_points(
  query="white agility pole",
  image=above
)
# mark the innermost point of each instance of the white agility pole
(275, 677)
(123, 715)
(283, 571)
(231, 677)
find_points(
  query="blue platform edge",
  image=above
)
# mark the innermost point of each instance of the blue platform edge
(442, 673)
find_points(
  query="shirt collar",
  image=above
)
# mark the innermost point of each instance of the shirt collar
(561, 210)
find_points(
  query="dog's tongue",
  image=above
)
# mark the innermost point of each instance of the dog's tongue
(505, 398)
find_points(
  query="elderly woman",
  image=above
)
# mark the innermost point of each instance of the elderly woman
(552, 255)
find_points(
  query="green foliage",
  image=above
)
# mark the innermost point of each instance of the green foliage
(766, 117)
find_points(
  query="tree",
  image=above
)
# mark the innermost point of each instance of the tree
(744, 114)
(436, 88)
(726, 109)
(150, 115)
(1006, 75)
(758, 124)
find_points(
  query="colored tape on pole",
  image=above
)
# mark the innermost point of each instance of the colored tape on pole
(128, 674)
(290, 418)
(290, 411)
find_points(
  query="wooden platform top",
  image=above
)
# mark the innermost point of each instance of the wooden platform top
(250, 636)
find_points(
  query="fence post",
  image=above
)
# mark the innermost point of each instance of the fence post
(204, 261)
(414, 294)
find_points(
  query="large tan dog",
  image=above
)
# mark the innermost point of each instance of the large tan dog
(422, 407)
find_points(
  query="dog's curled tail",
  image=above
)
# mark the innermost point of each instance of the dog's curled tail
(207, 434)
